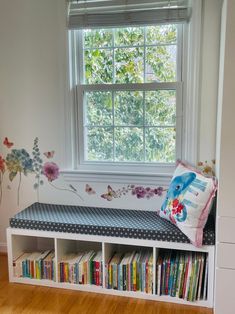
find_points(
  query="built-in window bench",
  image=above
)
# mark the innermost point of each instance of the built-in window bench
(72, 229)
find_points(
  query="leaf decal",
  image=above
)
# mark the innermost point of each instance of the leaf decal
(12, 175)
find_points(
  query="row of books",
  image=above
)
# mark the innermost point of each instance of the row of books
(178, 273)
(35, 265)
(81, 268)
(132, 271)
(182, 274)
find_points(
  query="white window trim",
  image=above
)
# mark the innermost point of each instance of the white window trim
(159, 175)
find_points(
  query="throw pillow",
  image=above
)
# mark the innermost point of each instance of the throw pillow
(188, 201)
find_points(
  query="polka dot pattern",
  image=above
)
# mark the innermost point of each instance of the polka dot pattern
(111, 222)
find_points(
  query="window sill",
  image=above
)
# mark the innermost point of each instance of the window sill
(116, 177)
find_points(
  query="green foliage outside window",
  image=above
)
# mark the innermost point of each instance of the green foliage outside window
(127, 125)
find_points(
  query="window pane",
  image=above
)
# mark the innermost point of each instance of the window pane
(98, 66)
(128, 144)
(99, 108)
(130, 36)
(98, 38)
(160, 144)
(129, 65)
(128, 108)
(124, 125)
(161, 34)
(100, 144)
(160, 107)
(161, 64)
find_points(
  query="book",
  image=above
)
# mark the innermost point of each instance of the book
(150, 273)
(143, 262)
(189, 271)
(191, 278)
(97, 270)
(172, 271)
(167, 272)
(163, 274)
(200, 276)
(196, 277)
(185, 274)
(205, 279)
(180, 278)
(159, 275)
(175, 275)
(134, 275)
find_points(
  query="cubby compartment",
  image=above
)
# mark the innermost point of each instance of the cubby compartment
(129, 268)
(79, 262)
(182, 274)
(33, 257)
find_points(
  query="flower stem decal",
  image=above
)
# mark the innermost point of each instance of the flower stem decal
(73, 190)
(37, 166)
(18, 190)
(18, 161)
(51, 171)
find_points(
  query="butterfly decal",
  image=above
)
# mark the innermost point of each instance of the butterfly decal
(89, 190)
(7, 143)
(110, 194)
(49, 154)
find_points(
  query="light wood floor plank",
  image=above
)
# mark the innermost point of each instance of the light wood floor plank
(27, 299)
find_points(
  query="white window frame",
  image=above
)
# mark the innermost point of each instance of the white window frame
(78, 170)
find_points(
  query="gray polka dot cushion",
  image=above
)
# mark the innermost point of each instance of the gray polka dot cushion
(104, 221)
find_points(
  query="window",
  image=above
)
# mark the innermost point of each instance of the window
(128, 79)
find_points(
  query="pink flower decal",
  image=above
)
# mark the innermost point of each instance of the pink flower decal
(51, 171)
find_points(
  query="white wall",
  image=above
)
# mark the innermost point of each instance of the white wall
(225, 244)
(32, 95)
(32, 67)
(209, 78)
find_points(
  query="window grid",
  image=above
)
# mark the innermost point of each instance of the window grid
(114, 87)
(114, 126)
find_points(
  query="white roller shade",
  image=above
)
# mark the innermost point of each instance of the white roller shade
(113, 13)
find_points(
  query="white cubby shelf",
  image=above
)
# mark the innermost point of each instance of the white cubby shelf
(20, 240)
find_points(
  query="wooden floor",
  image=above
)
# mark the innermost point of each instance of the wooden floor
(27, 299)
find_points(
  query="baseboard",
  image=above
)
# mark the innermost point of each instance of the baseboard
(3, 247)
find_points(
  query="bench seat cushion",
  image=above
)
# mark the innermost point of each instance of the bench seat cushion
(104, 221)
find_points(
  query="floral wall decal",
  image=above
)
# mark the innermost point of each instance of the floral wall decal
(48, 169)
(19, 162)
(51, 171)
(137, 191)
(49, 154)
(89, 190)
(208, 168)
(7, 143)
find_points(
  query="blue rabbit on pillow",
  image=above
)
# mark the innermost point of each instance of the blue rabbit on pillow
(172, 206)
